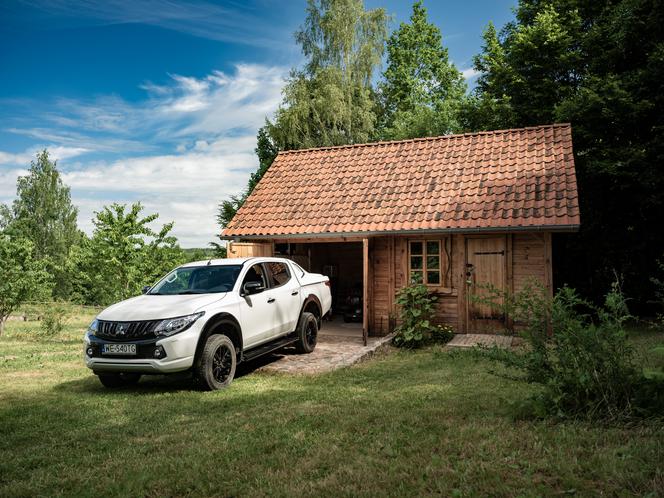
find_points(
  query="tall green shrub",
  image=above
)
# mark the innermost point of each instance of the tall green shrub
(585, 367)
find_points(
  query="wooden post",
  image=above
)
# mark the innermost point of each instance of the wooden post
(459, 281)
(548, 275)
(509, 267)
(391, 287)
(365, 290)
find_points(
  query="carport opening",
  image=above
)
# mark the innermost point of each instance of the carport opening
(342, 263)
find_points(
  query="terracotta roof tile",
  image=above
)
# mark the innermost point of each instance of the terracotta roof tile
(488, 180)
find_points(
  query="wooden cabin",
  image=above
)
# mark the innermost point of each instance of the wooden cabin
(456, 212)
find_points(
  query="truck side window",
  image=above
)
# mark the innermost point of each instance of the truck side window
(278, 274)
(255, 274)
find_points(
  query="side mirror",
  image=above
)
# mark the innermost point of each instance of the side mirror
(146, 289)
(250, 288)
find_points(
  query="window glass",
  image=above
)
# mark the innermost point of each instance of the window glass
(433, 262)
(255, 274)
(278, 274)
(433, 247)
(433, 277)
(416, 262)
(425, 262)
(198, 280)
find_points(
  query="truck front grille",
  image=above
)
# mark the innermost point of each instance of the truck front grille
(127, 331)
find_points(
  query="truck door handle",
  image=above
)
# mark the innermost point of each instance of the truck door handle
(271, 300)
(294, 293)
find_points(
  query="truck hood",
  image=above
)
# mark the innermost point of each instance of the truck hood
(151, 307)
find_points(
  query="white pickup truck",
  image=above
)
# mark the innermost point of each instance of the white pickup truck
(207, 317)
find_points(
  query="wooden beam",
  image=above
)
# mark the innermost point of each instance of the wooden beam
(509, 274)
(459, 280)
(391, 288)
(548, 275)
(548, 264)
(365, 290)
(315, 240)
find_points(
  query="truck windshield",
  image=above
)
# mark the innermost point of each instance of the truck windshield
(198, 280)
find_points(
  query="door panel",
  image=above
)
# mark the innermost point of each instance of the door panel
(286, 292)
(258, 312)
(486, 270)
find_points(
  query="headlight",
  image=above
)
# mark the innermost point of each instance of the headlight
(92, 328)
(172, 326)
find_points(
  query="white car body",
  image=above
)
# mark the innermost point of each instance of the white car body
(263, 319)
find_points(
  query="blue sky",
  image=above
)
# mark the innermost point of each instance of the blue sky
(160, 100)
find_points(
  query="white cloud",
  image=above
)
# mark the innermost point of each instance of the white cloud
(470, 73)
(187, 146)
(56, 152)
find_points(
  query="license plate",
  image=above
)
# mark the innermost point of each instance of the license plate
(118, 349)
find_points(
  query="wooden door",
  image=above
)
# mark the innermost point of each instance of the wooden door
(485, 271)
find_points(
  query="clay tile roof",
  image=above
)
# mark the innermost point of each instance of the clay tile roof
(507, 179)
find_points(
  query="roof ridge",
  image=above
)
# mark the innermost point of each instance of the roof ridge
(425, 139)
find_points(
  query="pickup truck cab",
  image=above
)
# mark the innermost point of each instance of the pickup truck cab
(207, 317)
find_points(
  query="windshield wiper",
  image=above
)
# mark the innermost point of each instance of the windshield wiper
(190, 292)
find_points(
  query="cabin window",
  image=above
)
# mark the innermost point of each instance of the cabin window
(429, 261)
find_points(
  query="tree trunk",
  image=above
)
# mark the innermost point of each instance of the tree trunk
(3, 319)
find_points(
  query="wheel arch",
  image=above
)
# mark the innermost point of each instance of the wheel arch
(221, 322)
(312, 305)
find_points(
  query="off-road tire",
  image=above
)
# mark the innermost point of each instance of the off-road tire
(115, 380)
(307, 333)
(215, 368)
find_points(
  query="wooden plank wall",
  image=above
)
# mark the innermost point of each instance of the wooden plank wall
(529, 260)
(528, 257)
(389, 259)
(249, 249)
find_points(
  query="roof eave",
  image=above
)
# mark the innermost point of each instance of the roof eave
(475, 230)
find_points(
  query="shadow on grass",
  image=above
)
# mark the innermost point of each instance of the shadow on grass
(151, 384)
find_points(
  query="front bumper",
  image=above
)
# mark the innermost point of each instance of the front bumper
(178, 354)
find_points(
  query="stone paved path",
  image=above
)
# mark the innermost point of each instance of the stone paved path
(472, 340)
(332, 352)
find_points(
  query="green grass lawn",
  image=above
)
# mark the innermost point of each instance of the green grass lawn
(403, 423)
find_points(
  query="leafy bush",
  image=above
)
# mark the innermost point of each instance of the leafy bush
(585, 366)
(54, 319)
(658, 283)
(416, 310)
(442, 334)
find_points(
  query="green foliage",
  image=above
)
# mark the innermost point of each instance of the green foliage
(200, 254)
(585, 366)
(658, 282)
(442, 334)
(417, 308)
(22, 276)
(124, 254)
(43, 213)
(598, 65)
(422, 92)
(54, 319)
(330, 100)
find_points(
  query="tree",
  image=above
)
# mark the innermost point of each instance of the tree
(125, 253)
(600, 66)
(266, 151)
(22, 277)
(330, 101)
(44, 214)
(422, 92)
